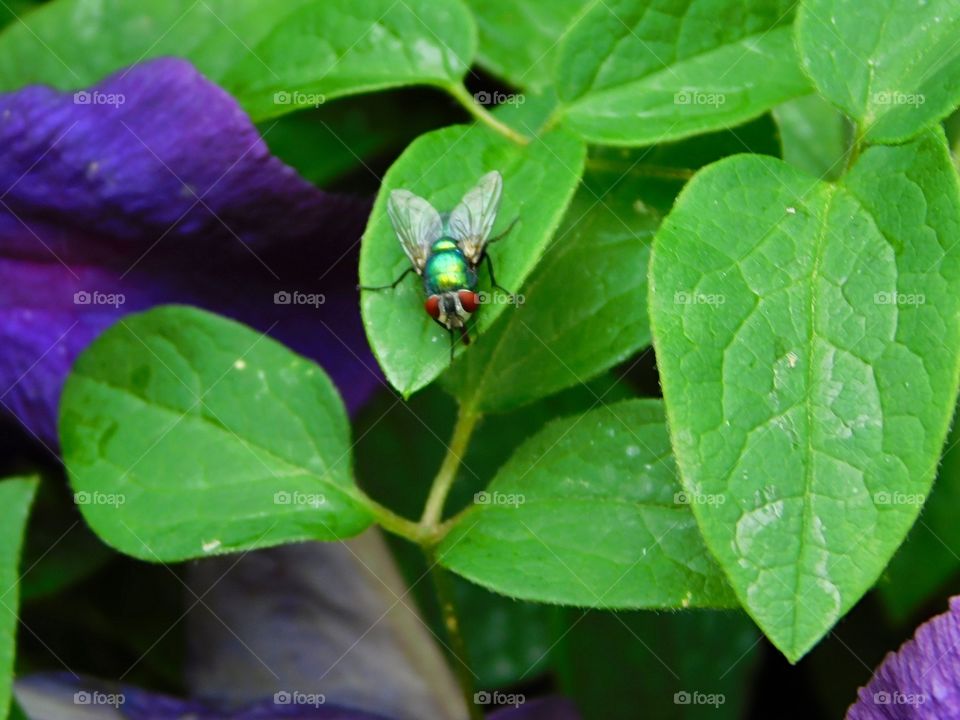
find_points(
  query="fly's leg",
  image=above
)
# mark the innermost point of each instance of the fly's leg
(493, 278)
(391, 286)
(505, 232)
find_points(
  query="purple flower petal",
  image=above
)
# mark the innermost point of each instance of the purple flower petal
(155, 187)
(921, 680)
(552, 708)
(60, 696)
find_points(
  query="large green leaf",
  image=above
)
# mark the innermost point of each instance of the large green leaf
(639, 73)
(808, 340)
(538, 182)
(274, 56)
(611, 664)
(891, 65)
(186, 434)
(589, 512)
(331, 48)
(519, 38)
(16, 495)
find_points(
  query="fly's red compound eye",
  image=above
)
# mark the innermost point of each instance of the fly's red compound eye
(432, 306)
(469, 300)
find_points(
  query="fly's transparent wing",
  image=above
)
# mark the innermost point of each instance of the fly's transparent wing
(416, 223)
(472, 220)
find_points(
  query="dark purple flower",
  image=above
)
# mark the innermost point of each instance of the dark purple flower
(155, 187)
(921, 680)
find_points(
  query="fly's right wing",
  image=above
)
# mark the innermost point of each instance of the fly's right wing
(416, 223)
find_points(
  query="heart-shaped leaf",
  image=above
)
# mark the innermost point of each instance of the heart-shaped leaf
(538, 182)
(187, 434)
(808, 338)
(891, 65)
(589, 512)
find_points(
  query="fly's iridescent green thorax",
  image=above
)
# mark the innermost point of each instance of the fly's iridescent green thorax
(447, 269)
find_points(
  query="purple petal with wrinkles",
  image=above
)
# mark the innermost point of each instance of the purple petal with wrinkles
(61, 696)
(155, 187)
(921, 680)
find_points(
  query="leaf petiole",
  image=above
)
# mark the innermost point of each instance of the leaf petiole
(469, 102)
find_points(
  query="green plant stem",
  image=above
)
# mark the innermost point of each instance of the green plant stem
(463, 96)
(853, 150)
(452, 624)
(462, 430)
(428, 532)
(399, 525)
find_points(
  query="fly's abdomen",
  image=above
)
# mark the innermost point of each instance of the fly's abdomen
(447, 270)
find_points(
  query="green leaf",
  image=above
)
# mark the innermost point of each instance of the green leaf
(634, 74)
(808, 338)
(815, 136)
(519, 38)
(588, 512)
(75, 43)
(614, 663)
(892, 65)
(275, 57)
(331, 48)
(538, 182)
(16, 494)
(12, 10)
(186, 434)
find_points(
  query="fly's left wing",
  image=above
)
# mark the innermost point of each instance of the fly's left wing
(472, 220)
(416, 223)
